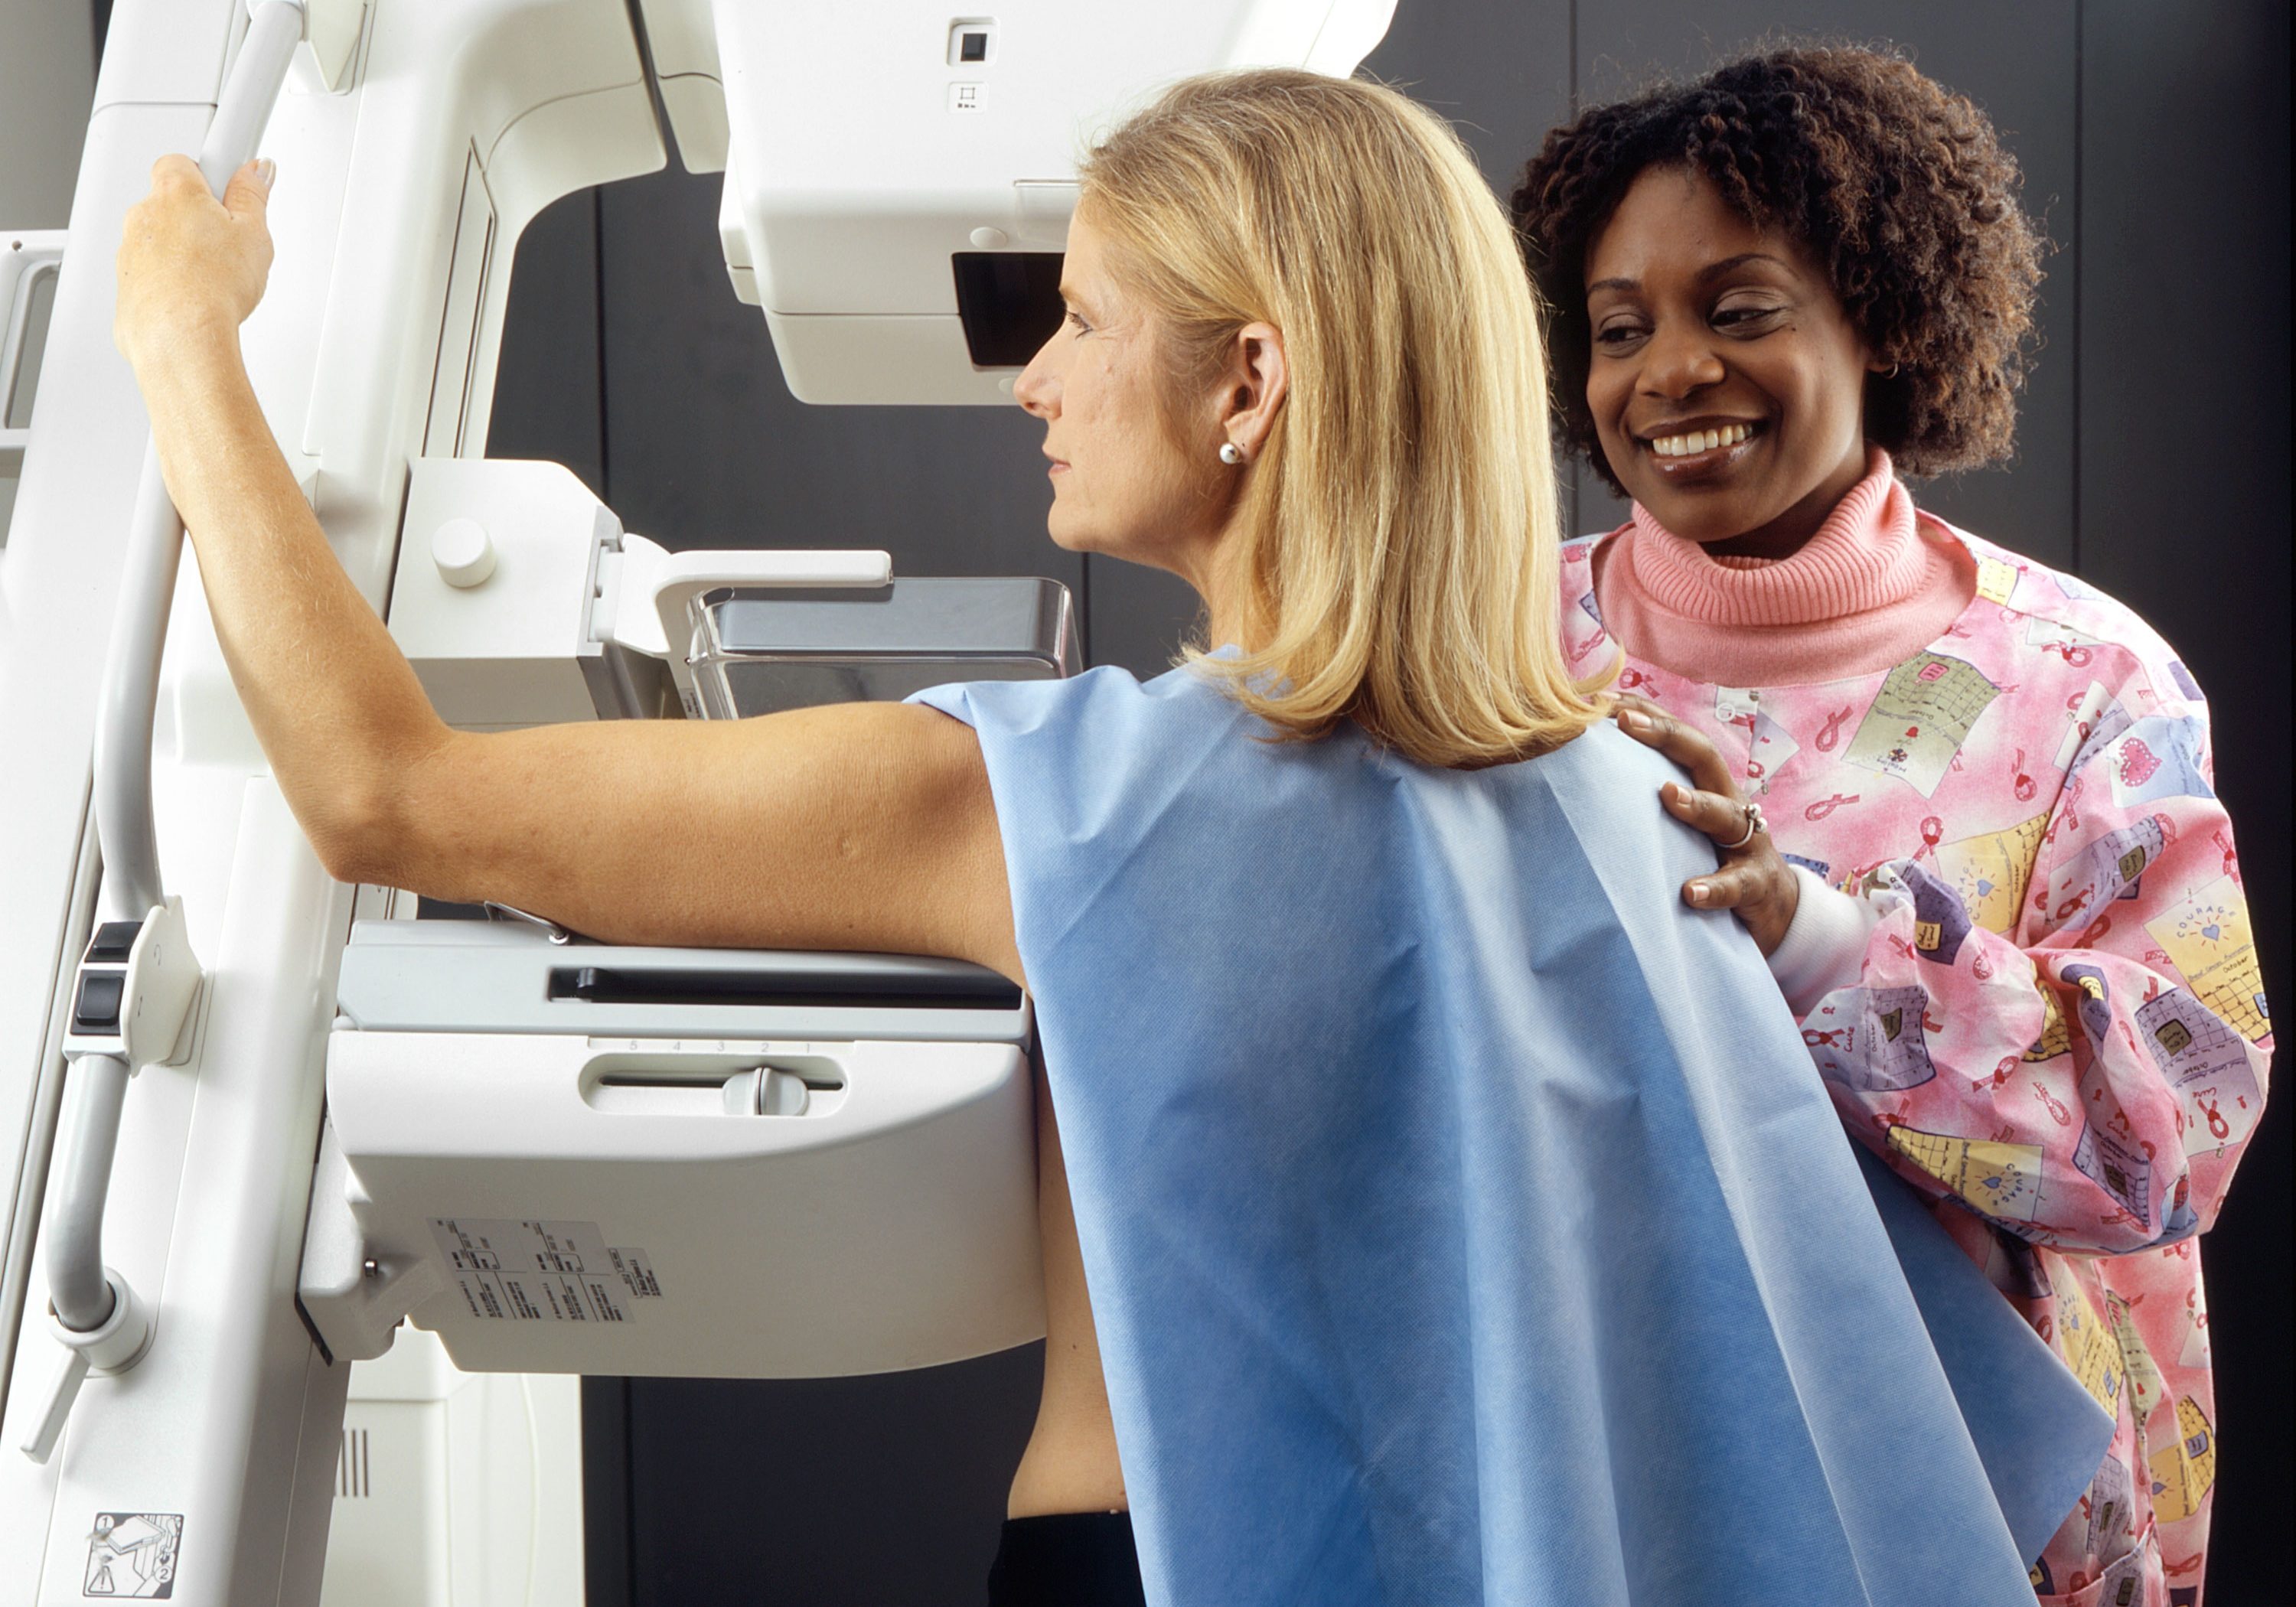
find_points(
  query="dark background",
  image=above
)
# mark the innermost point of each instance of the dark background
(2154, 461)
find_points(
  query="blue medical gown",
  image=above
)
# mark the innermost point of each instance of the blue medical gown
(1463, 1218)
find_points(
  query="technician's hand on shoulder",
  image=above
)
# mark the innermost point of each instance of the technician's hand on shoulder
(191, 267)
(1754, 880)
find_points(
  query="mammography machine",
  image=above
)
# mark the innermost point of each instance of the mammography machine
(251, 1118)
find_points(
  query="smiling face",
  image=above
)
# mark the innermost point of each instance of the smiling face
(1725, 381)
(1122, 484)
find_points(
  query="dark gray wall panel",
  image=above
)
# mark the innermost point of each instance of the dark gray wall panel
(1499, 71)
(705, 446)
(2016, 61)
(1139, 616)
(547, 397)
(2185, 512)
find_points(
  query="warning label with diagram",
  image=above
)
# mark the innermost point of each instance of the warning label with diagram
(536, 1271)
(132, 1555)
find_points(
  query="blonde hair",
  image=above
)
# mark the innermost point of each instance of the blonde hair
(1396, 541)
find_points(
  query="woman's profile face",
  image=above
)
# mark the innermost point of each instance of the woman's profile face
(1120, 484)
(1725, 381)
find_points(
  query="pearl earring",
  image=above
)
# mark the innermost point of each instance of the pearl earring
(1231, 453)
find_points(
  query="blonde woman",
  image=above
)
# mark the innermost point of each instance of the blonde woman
(1461, 1218)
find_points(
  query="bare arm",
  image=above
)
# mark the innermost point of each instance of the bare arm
(862, 827)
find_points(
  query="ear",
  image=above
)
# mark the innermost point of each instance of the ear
(1252, 387)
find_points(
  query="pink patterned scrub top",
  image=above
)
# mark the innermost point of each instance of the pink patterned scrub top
(2057, 1030)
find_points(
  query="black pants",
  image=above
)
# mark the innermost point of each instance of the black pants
(1067, 1560)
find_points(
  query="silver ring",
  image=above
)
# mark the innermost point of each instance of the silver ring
(1755, 824)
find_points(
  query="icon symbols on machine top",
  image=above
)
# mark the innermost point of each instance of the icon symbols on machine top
(972, 41)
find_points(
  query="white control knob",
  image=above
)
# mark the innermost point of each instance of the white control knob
(464, 552)
(990, 240)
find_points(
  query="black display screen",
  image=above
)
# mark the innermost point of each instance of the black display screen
(1009, 302)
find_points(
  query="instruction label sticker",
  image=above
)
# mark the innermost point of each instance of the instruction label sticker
(536, 1271)
(131, 1556)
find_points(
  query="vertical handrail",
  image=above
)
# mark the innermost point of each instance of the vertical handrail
(130, 695)
(81, 1293)
(77, 1291)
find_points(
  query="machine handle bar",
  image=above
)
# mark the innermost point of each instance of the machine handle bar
(130, 695)
(83, 1296)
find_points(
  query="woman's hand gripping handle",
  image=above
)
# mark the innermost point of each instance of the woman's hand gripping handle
(192, 268)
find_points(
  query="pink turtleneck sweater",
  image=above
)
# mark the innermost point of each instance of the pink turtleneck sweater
(1871, 589)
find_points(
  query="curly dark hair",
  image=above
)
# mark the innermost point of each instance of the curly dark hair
(1894, 185)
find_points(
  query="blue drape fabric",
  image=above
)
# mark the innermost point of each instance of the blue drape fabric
(1463, 1218)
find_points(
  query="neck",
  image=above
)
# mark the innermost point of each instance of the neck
(1223, 610)
(1205, 565)
(1791, 531)
(1865, 593)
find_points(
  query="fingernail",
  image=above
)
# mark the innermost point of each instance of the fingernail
(1697, 890)
(266, 171)
(1634, 719)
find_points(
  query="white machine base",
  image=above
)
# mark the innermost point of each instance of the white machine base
(455, 1489)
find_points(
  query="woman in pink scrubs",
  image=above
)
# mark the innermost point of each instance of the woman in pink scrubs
(1964, 801)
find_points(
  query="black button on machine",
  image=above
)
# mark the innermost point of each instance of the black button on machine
(113, 939)
(97, 1008)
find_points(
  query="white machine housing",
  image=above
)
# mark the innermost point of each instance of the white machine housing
(849, 195)
(574, 1158)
